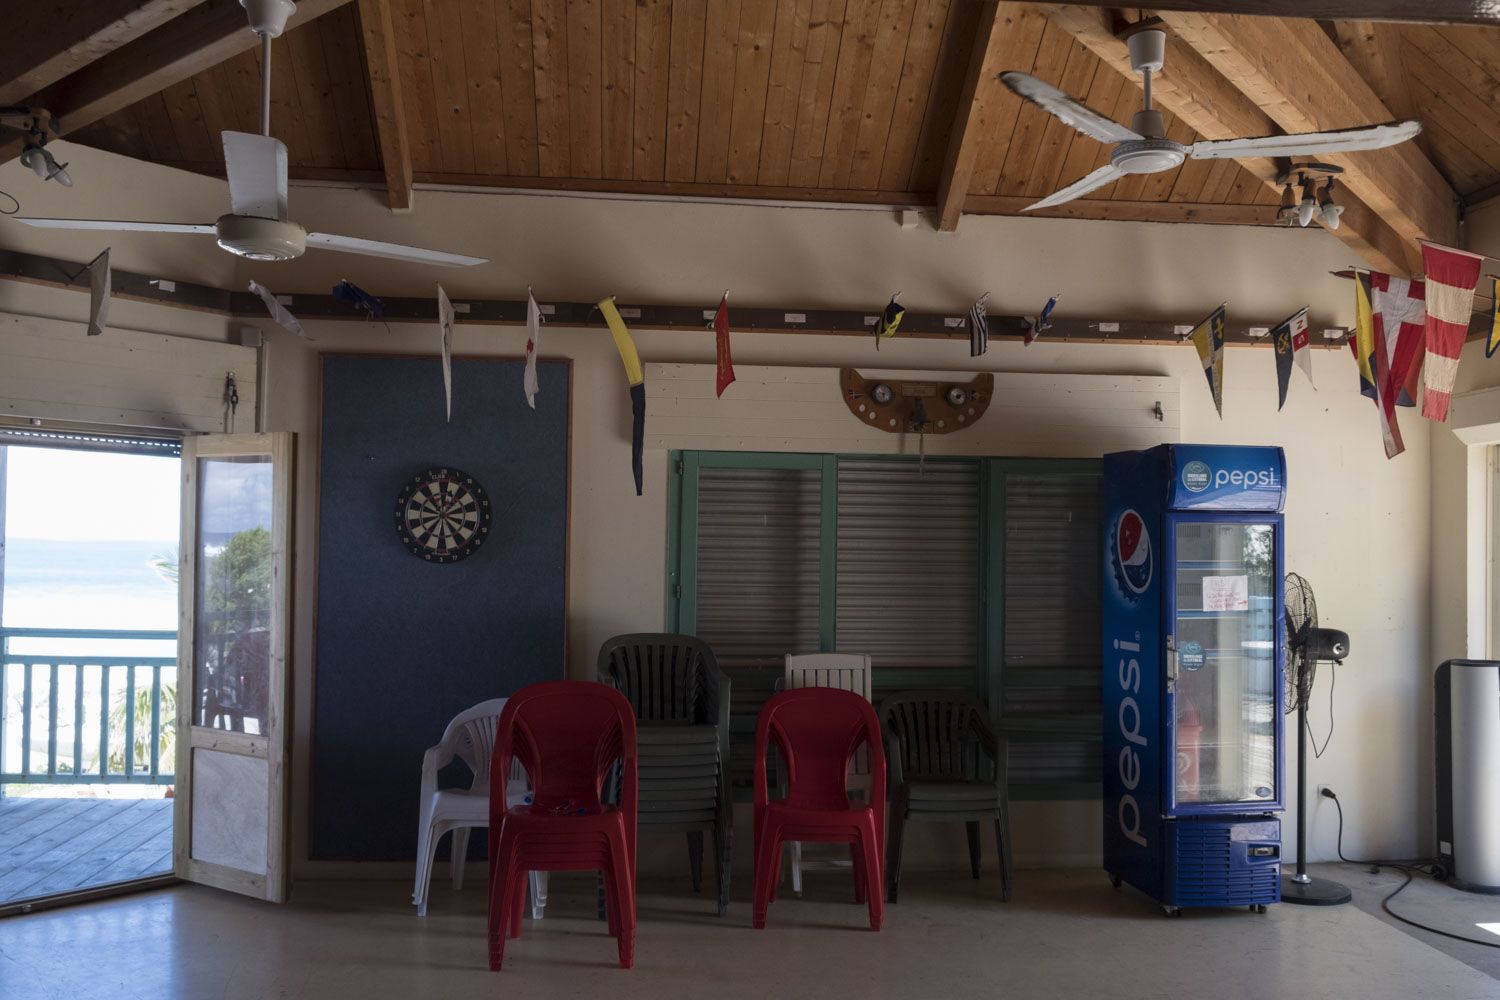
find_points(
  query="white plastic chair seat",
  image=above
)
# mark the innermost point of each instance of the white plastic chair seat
(470, 737)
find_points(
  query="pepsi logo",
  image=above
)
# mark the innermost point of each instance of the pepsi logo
(1131, 554)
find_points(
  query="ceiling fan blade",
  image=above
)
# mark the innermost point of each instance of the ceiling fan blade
(1106, 174)
(1068, 110)
(256, 166)
(119, 227)
(392, 251)
(1347, 140)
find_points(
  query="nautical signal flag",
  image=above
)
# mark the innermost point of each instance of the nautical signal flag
(1451, 277)
(1208, 337)
(1034, 326)
(635, 378)
(529, 382)
(348, 291)
(99, 290)
(979, 326)
(445, 329)
(889, 321)
(1362, 343)
(1291, 342)
(280, 313)
(723, 362)
(1489, 349)
(1398, 311)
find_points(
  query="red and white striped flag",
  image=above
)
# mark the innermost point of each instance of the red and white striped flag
(1451, 277)
(724, 363)
(1398, 313)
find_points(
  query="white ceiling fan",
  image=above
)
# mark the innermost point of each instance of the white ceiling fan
(1144, 148)
(257, 226)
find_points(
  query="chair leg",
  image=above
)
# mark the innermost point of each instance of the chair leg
(857, 856)
(538, 882)
(1002, 843)
(429, 859)
(695, 859)
(868, 844)
(795, 847)
(499, 902)
(972, 828)
(458, 853)
(893, 851)
(721, 866)
(418, 889)
(517, 885)
(767, 873)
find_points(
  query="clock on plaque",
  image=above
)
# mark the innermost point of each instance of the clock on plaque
(442, 515)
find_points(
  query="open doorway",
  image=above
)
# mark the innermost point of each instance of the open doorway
(88, 662)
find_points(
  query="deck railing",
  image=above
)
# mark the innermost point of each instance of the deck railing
(91, 707)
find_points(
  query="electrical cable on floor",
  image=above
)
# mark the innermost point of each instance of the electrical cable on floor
(1406, 867)
(13, 200)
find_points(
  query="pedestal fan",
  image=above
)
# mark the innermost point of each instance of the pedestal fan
(1307, 645)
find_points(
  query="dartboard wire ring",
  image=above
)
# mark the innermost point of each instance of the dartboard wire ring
(442, 514)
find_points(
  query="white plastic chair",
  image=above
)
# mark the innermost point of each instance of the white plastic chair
(471, 738)
(846, 672)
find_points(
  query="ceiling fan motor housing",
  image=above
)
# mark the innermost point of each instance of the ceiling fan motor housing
(268, 17)
(260, 239)
(1147, 156)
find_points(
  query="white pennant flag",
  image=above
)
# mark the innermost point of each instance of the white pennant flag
(98, 293)
(533, 333)
(445, 326)
(279, 312)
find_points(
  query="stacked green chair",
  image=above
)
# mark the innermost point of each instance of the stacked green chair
(681, 701)
(934, 740)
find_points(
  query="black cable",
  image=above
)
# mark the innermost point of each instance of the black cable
(1332, 682)
(13, 200)
(1407, 867)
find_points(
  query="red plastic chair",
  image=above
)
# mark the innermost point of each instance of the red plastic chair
(567, 735)
(817, 731)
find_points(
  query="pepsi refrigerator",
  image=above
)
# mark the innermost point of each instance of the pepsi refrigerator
(1194, 655)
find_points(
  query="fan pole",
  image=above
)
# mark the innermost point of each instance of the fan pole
(1302, 887)
(265, 84)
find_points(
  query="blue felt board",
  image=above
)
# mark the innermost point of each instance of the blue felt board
(404, 645)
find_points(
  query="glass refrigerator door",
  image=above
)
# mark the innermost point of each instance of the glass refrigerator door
(1224, 701)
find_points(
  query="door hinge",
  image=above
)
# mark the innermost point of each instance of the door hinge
(677, 591)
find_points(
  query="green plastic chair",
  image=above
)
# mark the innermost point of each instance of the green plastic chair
(681, 701)
(933, 743)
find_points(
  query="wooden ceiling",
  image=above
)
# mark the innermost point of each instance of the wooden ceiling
(883, 101)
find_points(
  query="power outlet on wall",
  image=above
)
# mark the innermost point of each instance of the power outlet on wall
(1325, 791)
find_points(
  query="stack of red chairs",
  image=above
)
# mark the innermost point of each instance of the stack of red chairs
(567, 735)
(817, 731)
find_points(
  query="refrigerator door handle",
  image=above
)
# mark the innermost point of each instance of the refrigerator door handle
(1171, 664)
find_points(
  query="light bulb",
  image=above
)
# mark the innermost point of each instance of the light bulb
(62, 177)
(1328, 210)
(33, 157)
(1305, 212)
(1288, 210)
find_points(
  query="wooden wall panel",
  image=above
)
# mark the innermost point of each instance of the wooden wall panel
(485, 98)
(892, 39)
(653, 68)
(518, 88)
(585, 82)
(851, 76)
(685, 87)
(549, 53)
(717, 97)
(929, 26)
(815, 93)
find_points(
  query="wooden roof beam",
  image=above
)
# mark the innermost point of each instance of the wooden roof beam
(1202, 97)
(1481, 12)
(44, 42)
(1295, 73)
(379, 35)
(203, 36)
(964, 138)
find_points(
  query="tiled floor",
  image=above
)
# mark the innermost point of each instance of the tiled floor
(48, 846)
(1066, 934)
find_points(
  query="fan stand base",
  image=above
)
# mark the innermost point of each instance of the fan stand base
(1314, 892)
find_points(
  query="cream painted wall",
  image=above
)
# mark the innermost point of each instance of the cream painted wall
(1347, 503)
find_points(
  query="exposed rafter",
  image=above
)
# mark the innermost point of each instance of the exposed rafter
(385, 96)
(964, 138)
(1201, 97)
(204, 36)
(44, 42)
(1296, 74)
(1484, 12)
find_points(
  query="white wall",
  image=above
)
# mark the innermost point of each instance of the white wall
(1357, 524)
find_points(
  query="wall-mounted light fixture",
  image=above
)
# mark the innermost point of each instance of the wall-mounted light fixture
(1329, 210)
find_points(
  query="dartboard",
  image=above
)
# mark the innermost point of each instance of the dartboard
(442, 515)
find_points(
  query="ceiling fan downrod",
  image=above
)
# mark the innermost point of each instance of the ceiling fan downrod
(268, 20)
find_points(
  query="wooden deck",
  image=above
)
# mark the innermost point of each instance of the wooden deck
(50, 846)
